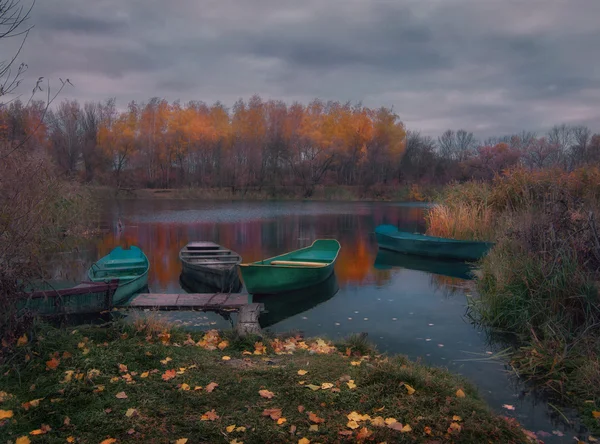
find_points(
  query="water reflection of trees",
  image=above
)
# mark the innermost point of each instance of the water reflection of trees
(257, 239)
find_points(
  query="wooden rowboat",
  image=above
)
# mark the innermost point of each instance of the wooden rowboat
(390, 238)
(127, 266)
(211, 264)
(85, 298)
(291, 271)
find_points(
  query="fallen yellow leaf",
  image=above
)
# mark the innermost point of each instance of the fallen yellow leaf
(314, 428)
(454, 427)
(52, 364)
(389, 421)
(222, 345)
(409, 389)
(240, 429)
(209, 416)
(596, 414)
(210, 387)
(23, 440)
(355, 363)
(6, 414)
(313, 387)
(131, 412)
(281, 421)
(121, 395)
(406, 428)
(352, 425)
(109, 441)
(225, 358)
(181, 441)
(22, 341)
(378, 422)
(266, 394)
(304, 441)
(198, 387)
(460, 393)
(275, 414)
(456, 418)
(185, 387)
(326, 385)
(351, 385)
(165, 361)
(230, 428)
(145, 375)
(302, 372)
(235, 441)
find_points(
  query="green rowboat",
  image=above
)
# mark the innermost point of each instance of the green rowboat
(291, 271)
(129, 267)
(390, 238)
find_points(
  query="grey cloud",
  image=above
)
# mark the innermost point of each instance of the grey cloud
(494, 67)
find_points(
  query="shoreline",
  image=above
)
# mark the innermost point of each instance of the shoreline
(321, 194)
(147, 382)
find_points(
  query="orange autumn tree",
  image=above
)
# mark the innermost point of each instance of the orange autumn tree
(118, 139)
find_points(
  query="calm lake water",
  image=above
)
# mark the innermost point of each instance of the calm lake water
(406, 305)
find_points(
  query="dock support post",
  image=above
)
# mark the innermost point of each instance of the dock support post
(247, 321)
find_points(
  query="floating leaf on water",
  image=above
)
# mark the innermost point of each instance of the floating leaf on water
(508, 407)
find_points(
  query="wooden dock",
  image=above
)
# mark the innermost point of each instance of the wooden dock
(191, 301)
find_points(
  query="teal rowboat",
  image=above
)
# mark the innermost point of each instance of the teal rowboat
(129, 267)
(390, 238)
(291, 271)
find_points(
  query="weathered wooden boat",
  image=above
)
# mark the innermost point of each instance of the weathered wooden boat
(387, 260)
(390, 238)
(282, 306)
(211, 264)
(127, 266)
(291, 271)
(85, 298)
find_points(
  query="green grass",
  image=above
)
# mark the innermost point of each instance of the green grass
(165, 412)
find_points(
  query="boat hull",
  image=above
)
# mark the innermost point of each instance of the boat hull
(129, 267)
(212, 265)
(226, 280)
(291, 271)
(389, 238)
(271, 280)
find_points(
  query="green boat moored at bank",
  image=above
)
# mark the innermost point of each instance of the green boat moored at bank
(390, 238)
(291, 271)
(127, 266)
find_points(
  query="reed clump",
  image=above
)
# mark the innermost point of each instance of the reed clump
(540, 281)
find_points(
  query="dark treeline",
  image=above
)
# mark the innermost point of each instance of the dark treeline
(269, 144)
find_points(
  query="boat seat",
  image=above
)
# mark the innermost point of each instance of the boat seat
(129, 267)
(139, 261)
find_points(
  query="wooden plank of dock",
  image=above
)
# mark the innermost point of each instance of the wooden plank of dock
(190, 301)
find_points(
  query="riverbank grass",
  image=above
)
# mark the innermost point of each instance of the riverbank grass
(136, 384)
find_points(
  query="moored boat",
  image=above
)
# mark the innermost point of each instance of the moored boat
(390, 238)
(84, 298)
(127, 266)
(291, 271)
(211, 264)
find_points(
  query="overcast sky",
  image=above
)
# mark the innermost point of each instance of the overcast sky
(490, 66)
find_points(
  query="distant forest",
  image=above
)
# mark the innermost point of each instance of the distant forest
(261, 144)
